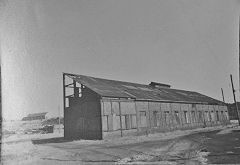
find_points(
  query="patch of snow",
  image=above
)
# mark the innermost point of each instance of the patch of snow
(234, 121)
(229, 129)
(201, 157)
(19, 153)
(225, 131)
(124, 160)
(136, 158)
(229, 152)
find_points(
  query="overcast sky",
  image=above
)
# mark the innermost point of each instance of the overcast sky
(189, 44)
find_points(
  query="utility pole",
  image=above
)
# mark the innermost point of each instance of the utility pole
(64, 103)
(223, 95)
(235, 99)
(239, 52)
(120, 113)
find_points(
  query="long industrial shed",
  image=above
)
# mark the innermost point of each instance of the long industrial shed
(100, 108)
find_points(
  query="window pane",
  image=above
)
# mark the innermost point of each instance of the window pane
(123, 122)
(166, 117)
(134, 121)
(186, 117)
(200, 116)
(222, 116)
(217, 115)
(193, 117)
(206, 116)
(177, 117)
(118, 122)
(143, 119)
(104, 123)
(226, 114)
(154, 119)
(212, 116)
(127, 120)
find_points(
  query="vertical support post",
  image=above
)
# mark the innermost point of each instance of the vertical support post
(233, 90)
(171, 115)
(160, 117)
(181, 113)
(101, 114)
(223, 95)
(111, 118)
(59, 118)
(64, 104)
(1, 118)
(136, 117)
(111, 107)
(120, 113)
(148, 122)
(75, 89)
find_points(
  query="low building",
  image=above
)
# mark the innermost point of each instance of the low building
(35, 116)
(232, 109)
(99, 108)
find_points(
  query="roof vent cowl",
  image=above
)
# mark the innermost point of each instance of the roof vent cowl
(159, 85)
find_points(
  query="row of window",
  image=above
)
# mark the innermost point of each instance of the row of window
(219, 115)
(129, 121)
(125, 122)
(187, 117)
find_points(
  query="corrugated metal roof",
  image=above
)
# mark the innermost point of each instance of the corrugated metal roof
(120, 89)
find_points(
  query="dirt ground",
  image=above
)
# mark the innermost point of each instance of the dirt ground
(199, 146)
(223, 146)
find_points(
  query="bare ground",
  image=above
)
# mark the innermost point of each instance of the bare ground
(178, 147)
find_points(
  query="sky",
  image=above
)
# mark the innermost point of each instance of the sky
(189, 44)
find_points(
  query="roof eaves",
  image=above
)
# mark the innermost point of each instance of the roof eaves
(172, 101)
(121, 97)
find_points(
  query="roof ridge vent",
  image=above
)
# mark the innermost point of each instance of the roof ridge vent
(159, 85)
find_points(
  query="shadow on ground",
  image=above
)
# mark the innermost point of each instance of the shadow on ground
(50, 140)
(223, 148)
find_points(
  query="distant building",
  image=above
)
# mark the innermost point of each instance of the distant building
(232, 110)
(99, 108)
(35, 116)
